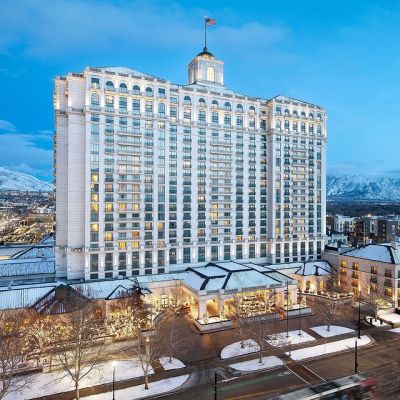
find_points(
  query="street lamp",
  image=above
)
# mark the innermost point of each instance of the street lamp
(113, 382)
(359, 314)
(290, 347)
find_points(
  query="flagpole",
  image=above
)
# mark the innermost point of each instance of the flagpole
(205, 33)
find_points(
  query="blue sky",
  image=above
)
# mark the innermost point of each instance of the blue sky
(341, 54)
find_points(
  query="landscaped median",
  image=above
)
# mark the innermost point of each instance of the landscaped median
(322, 350)
(52, 384)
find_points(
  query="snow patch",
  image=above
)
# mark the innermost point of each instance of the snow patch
(374, 322)
(391, 317)
(294, 338)
(329, 348)
(173, 364)
(235, 349)
(138, 392)
(334, 330)
(255, 365)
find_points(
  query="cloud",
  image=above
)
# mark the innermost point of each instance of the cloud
(50, 28)
(7, 126)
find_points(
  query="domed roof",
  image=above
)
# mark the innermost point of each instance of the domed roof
(206, 54)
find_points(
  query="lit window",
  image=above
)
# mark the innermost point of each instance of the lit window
(211, 74)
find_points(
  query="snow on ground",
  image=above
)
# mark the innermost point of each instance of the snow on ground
(173, 364)
(255, 365)
(334, 330)
(395, 318)
(56, 382)
(234, 349)
(139, 392)
(374, 322)
(395, 330)
(328, 348)
(294, 338)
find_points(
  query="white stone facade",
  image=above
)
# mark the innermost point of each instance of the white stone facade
(153, 177)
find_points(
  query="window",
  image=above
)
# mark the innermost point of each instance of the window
(161, 93)
(161, 109)
(252, 109)
(123, 87)
(214, 104)
(202, 102)
(94, 99)
(187, 101)
(278, 124)
(136, 89)
(239, 108)
(149, 91)
(211, 74)
(228, 106)
(109, 85)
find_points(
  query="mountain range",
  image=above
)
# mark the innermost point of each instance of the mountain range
(355, 187)
(13, 180)
(348, 187)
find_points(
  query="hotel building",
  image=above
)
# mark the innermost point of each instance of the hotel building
(154, 177)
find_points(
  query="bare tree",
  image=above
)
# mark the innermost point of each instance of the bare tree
(12, 354)
(240, 316)
(329, 309)
(81, 354)
(41, 332)
(376, 300)
(259, 327)
(148, 345)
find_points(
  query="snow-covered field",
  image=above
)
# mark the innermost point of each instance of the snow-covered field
(395, 318)
(138, 392)
(328, 348)
(334, 330)
(375, 322)
(173, 364)
(234, 349)
(254, 365)
(294, 338)
(57, 382)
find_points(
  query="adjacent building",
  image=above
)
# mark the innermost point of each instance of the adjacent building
(153, 177)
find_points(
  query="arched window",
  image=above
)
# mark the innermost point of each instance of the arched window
(136, 89)
(109, 85)
(161, 109)
(286, 112)
(295, 113)
(311, 115)
(187, 101)
(202, 102)
(252, 109)
(123, 87)
(214, 104)
(228, 106)
(94, 99)
(149, 91)
(278, 124)
(239, 108)
(211, 74)
(303, 114)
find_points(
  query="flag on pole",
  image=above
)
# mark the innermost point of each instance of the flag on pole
(211, 21)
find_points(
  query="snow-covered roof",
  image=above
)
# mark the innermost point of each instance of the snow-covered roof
(233, 276)
(104, 289)
(20, 267)
(376, 252)
(27, 251)
(314, 268)
(23, 297)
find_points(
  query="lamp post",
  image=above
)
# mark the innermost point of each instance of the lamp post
(359, 314)
(355, 359)
(113, 381)
(290, 347)
(287, 309)
(299, 304)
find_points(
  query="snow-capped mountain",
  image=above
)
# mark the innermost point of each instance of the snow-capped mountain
(354, 187)
(13, 180)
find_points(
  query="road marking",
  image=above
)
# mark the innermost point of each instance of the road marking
(314, 373)
(299, 376)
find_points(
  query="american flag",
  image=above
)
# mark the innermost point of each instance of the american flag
(211, 21)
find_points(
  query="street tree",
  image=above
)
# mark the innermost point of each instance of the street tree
(82, 352)
(240, 316)
(376, 300)
(12, 354)
(330, 309)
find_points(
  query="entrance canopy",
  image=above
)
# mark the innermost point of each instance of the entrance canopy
(233, 277)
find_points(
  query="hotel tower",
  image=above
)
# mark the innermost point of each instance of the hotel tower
(153, 176)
